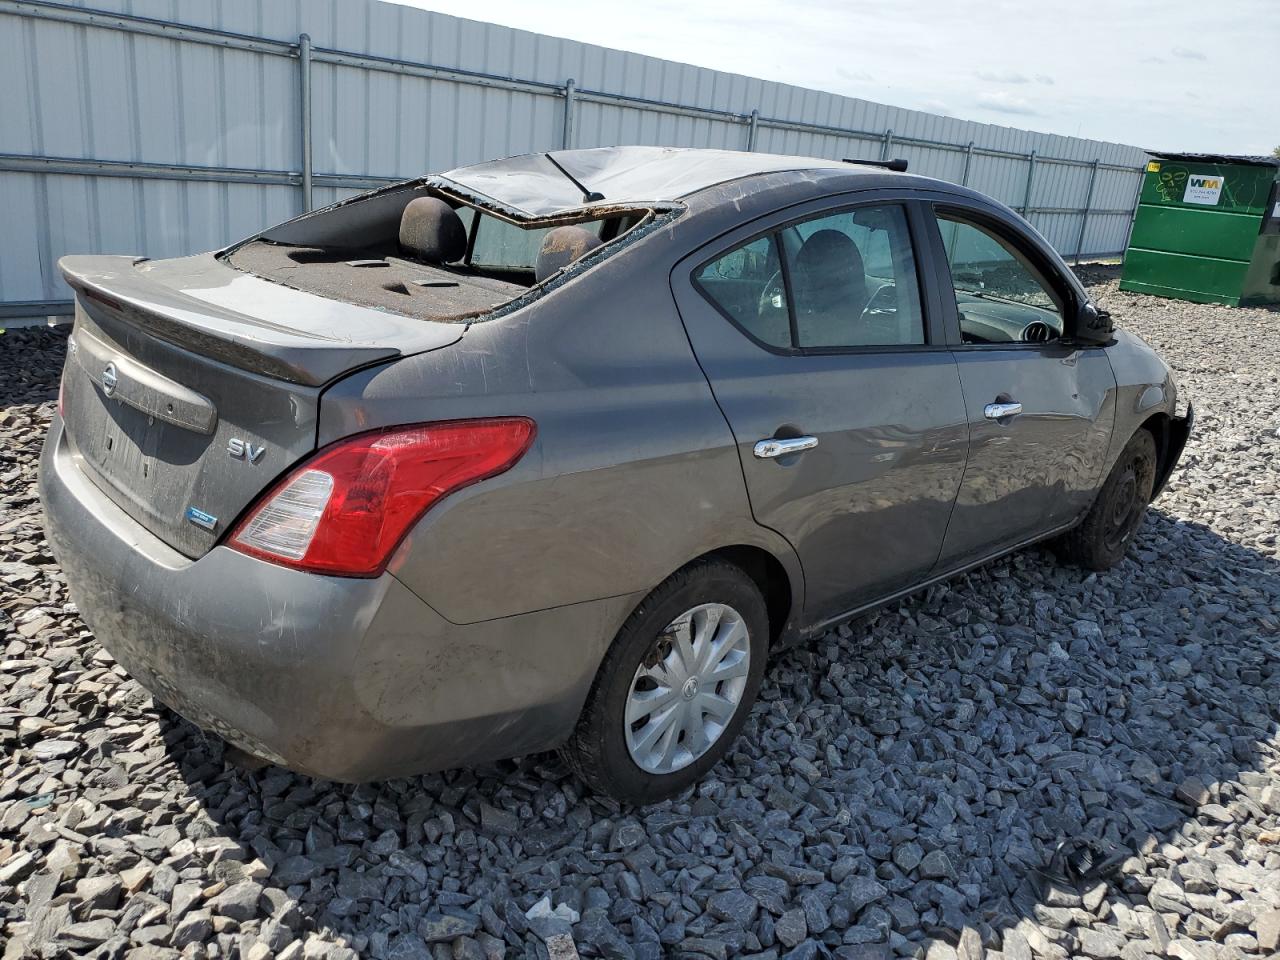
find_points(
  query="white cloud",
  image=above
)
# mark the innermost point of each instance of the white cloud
(861, 76)
(1008, 76)
(1188, 54)
(1004, 102)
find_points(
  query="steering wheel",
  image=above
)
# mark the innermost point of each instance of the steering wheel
(771, 296)
(884, 300)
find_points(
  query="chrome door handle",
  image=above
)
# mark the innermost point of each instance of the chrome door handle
(998, 411)
(774, 447)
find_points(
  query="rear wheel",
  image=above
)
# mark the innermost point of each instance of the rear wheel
(675, 687)
(1101, 539)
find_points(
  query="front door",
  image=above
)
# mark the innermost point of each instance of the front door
(1040, 409)
(845, 405)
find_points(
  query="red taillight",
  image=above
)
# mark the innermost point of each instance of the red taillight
(346, 509)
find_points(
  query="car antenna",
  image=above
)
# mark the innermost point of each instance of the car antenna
(588, 196)
(898, 166)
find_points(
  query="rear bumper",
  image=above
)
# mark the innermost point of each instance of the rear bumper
(340, 678)
(1179, 431)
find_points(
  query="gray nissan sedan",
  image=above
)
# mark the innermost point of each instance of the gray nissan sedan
(552, 451)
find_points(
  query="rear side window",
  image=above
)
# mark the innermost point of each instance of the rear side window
(837, 281)
(853, 280)
(746, 283)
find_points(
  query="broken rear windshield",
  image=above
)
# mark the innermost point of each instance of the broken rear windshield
(424, 252)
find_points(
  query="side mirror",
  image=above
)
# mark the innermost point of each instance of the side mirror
(1093, 325)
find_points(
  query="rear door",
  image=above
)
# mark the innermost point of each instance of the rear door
(822, 351)
(1040, 408)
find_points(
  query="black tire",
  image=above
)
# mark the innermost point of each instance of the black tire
(1100, 540)
(597, 751)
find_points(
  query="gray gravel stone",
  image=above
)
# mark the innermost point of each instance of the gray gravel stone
(98, 893)
(1267, 931)
(1014, 946)
(239, 902)
(734, 906)
(908, 856)
(295, 870)
(17, 867)
(80, 936)
(151, 951)
(195, 927)
(1185, 950)
(438, 927)
(1100, 944)
(791, 928)
(936, 865)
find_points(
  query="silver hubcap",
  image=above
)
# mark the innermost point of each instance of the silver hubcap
(688, 688)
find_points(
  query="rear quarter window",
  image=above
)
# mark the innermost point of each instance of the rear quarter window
(746, 284)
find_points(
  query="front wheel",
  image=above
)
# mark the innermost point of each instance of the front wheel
(1101, 539)
(675, 687)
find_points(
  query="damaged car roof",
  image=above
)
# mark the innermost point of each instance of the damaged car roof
(533, 185)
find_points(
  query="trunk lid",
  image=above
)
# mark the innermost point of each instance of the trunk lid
(190, 386)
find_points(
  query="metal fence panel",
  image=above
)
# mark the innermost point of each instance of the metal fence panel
(165, 127)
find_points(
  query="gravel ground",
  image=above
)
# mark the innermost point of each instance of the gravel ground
(898, 787)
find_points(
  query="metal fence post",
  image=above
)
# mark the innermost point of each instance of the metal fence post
(886, 145)
(968, 159)
(1084, 214)
(304, 76)
(1031, 172)
(1133, 217)
(566, 138)
(753, 130)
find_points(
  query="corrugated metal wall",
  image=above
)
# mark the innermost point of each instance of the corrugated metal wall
(164, 127)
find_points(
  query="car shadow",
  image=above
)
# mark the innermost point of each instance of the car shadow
(1018, 705)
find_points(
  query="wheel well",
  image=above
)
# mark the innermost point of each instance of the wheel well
(1158, 426)
(769, 576)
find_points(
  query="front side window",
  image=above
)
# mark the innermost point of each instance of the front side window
(1001, 297)
(836, 281)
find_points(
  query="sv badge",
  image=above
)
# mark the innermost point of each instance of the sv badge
(244, 450)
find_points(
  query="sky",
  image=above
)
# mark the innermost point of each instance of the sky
(1197, 75)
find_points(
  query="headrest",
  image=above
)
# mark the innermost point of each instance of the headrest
(431, 230)
(562, 246)
(828, 270)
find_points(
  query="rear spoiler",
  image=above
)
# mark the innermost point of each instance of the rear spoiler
(213, 310)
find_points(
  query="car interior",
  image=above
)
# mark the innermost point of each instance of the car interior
(851, 279)
(1000, 295)
(843, 274)
(429, 257)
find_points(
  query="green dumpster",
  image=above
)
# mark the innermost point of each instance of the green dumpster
(1207, 229)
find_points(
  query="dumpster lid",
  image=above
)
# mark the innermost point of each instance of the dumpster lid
(1217, 158)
